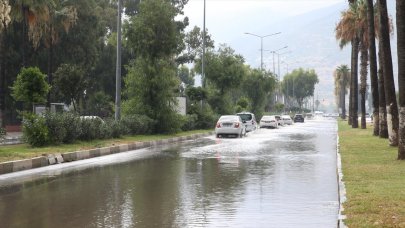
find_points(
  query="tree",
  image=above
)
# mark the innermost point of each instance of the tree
(342, 82)
(5, 19)
(373, 66)
(151, 81)
(193, 45)
(186, 75)
(224, 72)
(258, 85)
(304, 84)
(401, 76)
(389, 86)
(347, 32)
(30, 87)
(70, 82)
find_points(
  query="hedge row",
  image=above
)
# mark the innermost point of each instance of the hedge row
(53, 128)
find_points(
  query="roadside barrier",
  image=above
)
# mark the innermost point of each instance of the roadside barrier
(57, 158)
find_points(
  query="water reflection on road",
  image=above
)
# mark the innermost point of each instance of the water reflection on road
(272, 178)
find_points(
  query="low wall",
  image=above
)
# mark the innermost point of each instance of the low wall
(52, 159)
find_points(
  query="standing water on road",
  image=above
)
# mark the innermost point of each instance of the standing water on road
(272, 178)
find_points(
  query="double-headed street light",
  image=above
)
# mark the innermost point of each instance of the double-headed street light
(261, 44)
(276, 52)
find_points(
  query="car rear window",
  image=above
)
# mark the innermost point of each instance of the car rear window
(245, 117)
(229, 118)
(298, 115)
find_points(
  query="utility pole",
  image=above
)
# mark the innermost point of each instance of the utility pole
(203, 54)
(118, 67)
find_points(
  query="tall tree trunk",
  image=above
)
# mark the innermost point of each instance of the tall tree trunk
(350, 119)
(2, 76)
(363, 83)
(25, 35)
(355, 92)
(401, 76)
(390, 96)
(343, 99)
(50, 63)
(383, 133)
(373, 66)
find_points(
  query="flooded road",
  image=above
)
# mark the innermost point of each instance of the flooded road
(272, 178)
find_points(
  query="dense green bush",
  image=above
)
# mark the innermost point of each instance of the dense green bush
(137, 124)
(71, 123)
(56, 129)
(189, 122)
(113, 129)
(2, 133)
(91, 129)
(35, 131)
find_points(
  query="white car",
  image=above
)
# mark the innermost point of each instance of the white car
(249, 120)
(268, 121)
(287, 119)
(230, 125)
(280, 120)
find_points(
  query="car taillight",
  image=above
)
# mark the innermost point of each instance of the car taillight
(236, 125)
(218, 125)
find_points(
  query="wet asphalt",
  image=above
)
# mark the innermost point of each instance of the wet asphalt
(282, 177)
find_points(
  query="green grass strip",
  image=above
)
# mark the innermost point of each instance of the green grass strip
(23, 151)
(374, 179)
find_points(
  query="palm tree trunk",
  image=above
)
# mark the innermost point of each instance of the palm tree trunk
(373, 66)
(401, 76)
(2, 76)
(343, 99)
(383, 133)
(350, 120)
(391, 101)
(363, 84)
(354, 93)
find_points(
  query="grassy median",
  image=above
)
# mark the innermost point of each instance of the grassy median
(22, 151)
(374, 178)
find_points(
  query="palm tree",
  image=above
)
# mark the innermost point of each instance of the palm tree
(342, 80)
(61, 17)
(29, 13)
(373, 66)
(347, 31)
(4, 21)
(401, 76)
(389, 86)
(383, 133)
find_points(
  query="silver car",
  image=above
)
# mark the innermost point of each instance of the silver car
(287, 119)
(268, 121)
(249, 120)
(230, 125)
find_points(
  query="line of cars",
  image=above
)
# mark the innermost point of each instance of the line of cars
(241, 123)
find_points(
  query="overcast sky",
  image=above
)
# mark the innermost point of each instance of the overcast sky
(228, 20)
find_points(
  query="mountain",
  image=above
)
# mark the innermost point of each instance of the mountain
(311, 39)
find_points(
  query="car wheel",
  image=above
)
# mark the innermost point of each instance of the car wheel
(217, 135)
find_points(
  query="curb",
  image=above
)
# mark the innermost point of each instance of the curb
(52, 159)
(341, 188)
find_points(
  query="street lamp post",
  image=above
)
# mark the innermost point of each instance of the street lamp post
(261, 45)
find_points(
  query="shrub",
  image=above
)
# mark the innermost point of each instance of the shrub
(90, 129)
(189, 122)
(137, 124)
(35, 131)
(56, 129)
(112, 129)
(2, 133)
(71, 123)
